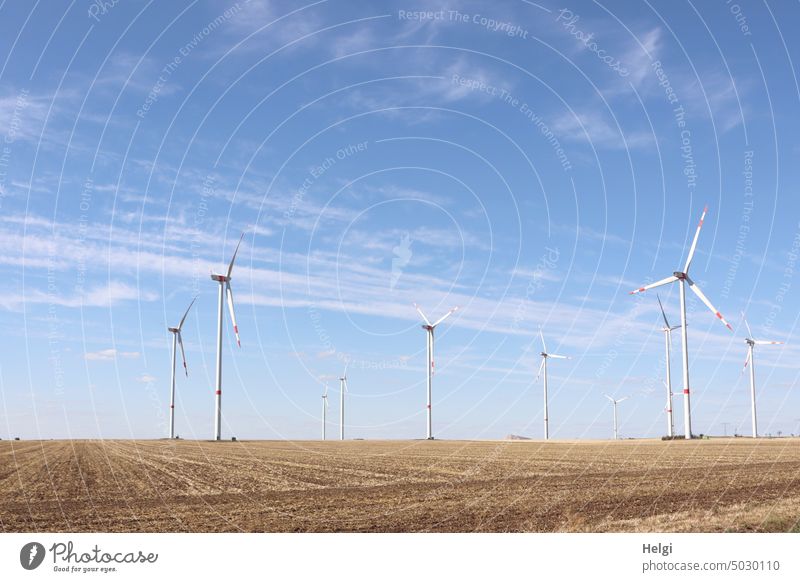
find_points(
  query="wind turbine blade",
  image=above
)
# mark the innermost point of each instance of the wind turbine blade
(746, 361)
(670, 279)
(623, 398)
(180, 325)
(557, 357)
(445, 316)
(664, 315)
(694, 242)
(183, 354)
(539, 373)
(425, 319)
(230, 266)
(705, 300)
(747, 325)
(609, 397)
(544, 345)
(674, 327)
(232, 312)
(766, 343)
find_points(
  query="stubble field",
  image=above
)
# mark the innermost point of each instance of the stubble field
(400, 486)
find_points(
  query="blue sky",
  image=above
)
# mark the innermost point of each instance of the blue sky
(529, 162)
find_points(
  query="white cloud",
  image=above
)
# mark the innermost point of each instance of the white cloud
(644, 50)
(591, 127)
(262, 27)
(115, 292)
(22, 116)
(98, 296)
(437, 82)
(110, 354)
(585, 232)
(715, 94)
(339, 282)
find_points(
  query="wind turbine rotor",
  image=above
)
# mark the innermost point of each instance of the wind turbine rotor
(180, 325)
(541, 367)
(664, 281)
(663, 313)
(693, 248)
(445, 316)
(183, 354)
(229, 294)
(424, 318)
(233, 259)
(693, 286)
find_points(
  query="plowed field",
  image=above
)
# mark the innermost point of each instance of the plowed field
(400, 486)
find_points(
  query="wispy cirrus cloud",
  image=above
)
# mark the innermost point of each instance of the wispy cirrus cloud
(107, 295)
(593, 128)
(344, 283)
(109, 355)
(23, 115)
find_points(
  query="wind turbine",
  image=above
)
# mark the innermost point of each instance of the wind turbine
(682, 277)
(342, 390)
(668, 329)
(224, 288)
(324, 410)
(176, 339)
(429, 328)
(615, 402)
(751, 343)
(543, 366)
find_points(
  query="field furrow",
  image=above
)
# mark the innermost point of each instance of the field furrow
(401, 486)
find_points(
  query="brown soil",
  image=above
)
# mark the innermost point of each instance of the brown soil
(400, 486)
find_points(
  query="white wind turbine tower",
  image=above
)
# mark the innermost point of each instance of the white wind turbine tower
(683, 279)
(429, 328)
(751, 343)
(615, 402)
(324, 410)
(224, 289)
(668, 329)
(342, 390)
(176, 339)
(543, 367)
(668, 407)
